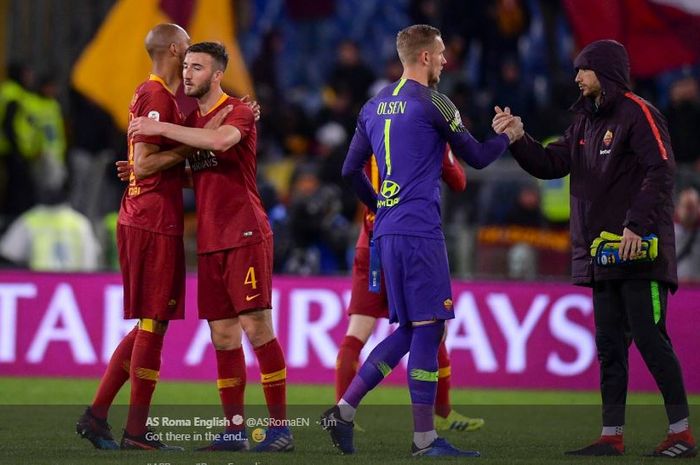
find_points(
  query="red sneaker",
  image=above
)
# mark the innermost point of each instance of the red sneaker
(606, 445)
(676, 446)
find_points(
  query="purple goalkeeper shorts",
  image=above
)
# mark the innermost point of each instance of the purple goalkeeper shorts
(416, 278)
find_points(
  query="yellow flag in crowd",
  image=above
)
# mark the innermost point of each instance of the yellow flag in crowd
(115, 61)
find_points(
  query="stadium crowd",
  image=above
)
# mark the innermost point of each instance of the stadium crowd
(313, 67)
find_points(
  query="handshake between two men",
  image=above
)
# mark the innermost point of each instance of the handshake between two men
(505, 122)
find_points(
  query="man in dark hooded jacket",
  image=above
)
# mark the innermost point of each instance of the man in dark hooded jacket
(619, 155)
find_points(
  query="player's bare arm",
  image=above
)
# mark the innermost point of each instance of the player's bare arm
(124, 172)
(148, 160)
(211, 137)
(220, 139)
(151, 160)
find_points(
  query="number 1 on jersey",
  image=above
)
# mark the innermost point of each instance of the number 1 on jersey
(387, 146)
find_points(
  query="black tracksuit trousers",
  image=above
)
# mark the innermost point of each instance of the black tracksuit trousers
(635, 310)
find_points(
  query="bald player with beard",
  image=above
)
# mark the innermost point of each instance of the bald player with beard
(151, 253)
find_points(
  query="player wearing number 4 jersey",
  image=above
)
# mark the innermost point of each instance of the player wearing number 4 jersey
(234, 244)
(406, 126)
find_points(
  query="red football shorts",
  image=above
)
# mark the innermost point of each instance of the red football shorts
(234, 281)
(153, 271)
(362, 301)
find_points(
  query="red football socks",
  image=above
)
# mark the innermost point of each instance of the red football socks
(442, 398)
(273, 377)
(346, 364)
(230, 366)
(114, 377)
(145, 369)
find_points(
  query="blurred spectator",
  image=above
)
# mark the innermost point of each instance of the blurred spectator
(392, 73)
(302, 10)
(425, 12)
(495, 200)
(522, 262)
(52, 236)
(265, 74)
(522, 257)
(351, 76)
(555, 197)
(504, 22)
(551, 12)
(307, 39)
(279, 223)
(108, 238)
(687, 237)
(555, 201)
(293, 130)
(339, 108)
(50, 166)
(455, 51)
(320, 234)
(331, 148)
(551, 117)
(91, 157)
(470, 110)
(264, 68)
(511, 88)
(526, 210)
(19, 141)
(684, 123)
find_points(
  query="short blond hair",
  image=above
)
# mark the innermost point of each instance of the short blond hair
(413, 40)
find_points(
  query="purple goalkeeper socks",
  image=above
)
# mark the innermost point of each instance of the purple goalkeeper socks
(380, 362)
(423, 373)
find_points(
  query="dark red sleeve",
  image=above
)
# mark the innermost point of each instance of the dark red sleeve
(452, 172)
(242, 118)
(551, 162)
(161, 107)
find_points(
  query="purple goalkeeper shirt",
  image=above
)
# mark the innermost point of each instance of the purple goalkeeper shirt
(407, 125)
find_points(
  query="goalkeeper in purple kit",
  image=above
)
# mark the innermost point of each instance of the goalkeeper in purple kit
(407, 125)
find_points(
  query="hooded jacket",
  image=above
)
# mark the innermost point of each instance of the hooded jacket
(622, 169)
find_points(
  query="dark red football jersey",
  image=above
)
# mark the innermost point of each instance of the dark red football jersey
(154, 203)
(229, 210)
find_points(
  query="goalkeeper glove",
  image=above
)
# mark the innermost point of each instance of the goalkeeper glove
(606, 249)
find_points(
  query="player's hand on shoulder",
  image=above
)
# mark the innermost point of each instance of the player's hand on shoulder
(218, 118)
(123, 170)
(144, 126)
(254, 106)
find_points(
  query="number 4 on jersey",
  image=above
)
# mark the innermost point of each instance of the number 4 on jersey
(250, 278)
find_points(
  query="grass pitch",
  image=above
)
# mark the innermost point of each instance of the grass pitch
(522, 427)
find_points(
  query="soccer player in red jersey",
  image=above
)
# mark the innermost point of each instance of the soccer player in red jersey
(151, 253)
(234, 244)
(367, 306)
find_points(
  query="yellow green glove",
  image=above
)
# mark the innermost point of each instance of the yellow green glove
(606, 249)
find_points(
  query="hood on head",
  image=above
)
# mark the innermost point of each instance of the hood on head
(610, 62)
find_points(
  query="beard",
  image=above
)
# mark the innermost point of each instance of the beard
(199, 91)
(433, 80)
